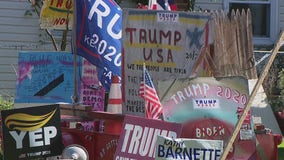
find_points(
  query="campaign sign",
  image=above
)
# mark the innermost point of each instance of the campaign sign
(168, 43)
(57, 14)
(139, 135)
(98, 36)
(33, 132)
(45, 77)
(209, 108)
(185, 148)
(91, 93)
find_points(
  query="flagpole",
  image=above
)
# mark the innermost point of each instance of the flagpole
(144, 88)
(75, 97)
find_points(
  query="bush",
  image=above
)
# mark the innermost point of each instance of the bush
(6, 103)
(277, 102)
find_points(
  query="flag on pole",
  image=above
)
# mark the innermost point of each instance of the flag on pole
(169, 5)
(98, 36)
(153, 106)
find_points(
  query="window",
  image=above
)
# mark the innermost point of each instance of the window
(264, 18)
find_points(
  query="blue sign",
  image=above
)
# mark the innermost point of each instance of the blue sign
(98, 36)
(46, 77)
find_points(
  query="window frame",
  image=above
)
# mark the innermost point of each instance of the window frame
(274, 21)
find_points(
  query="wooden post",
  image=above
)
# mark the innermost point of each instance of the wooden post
(253, 94)
(75, 96)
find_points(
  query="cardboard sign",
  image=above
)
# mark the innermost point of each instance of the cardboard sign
(139, 135)
(184, 148)
(33, 132)
(169, 43)
(209, 108)
(48, 77)
(57, 14)
(45, 77)
(90, 92)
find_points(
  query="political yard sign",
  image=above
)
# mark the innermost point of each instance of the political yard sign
(48, 78)
(45, 77)
(169, 43)
(209, 108)
(57, 14)
(139, 135)
(33, 132)
(98, 36)
(191, 149)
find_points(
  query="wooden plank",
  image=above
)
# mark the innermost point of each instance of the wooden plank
(75, 110)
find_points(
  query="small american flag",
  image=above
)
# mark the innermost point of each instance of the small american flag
(169, 5)
(153, 107)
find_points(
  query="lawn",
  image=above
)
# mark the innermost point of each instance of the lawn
(281, 150)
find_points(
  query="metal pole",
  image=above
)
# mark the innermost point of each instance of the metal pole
(253, 94)
(75, 97)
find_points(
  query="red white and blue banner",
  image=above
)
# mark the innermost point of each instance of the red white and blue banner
(169, 5)
(98, 36)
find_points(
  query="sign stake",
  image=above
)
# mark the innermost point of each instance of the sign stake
(252, 96)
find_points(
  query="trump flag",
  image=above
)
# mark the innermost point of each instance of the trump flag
(98, 36)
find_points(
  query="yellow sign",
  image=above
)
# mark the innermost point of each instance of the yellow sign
(57, 14)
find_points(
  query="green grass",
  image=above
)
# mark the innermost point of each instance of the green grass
(281, 150)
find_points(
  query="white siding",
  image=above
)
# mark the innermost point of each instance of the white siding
(208, 5)
(281, 14)
(18, 32)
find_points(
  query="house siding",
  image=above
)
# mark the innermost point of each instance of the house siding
(19, 31)
(208, 5)
(281, 15)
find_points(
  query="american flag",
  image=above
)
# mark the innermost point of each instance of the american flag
(169, 5)
(153, 107)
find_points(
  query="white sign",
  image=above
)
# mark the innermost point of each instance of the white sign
(188, 149)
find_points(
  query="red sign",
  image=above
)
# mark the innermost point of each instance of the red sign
(139, 135)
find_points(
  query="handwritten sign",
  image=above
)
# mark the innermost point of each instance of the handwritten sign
(139, 136)
(184, 148)
(57, 14)
(45, 77)
(91, 93)
(48, 77)
(169, 43)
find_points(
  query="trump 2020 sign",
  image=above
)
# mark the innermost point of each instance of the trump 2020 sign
(32, 132)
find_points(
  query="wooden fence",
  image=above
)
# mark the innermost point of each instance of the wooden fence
(232, 51)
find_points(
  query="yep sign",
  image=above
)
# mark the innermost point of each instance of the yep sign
(32, 132)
